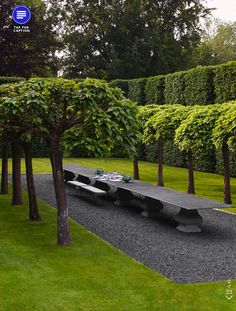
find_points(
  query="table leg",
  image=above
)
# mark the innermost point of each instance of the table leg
(152, 207)
(189, 220)
(123, 197)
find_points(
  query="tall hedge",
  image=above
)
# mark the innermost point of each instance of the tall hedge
(121, 84)
(137, 90)
(199, 86)
(225, 82)
(4, 80)
(174, 88)
(154, 90)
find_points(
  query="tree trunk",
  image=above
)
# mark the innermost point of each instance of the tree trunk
(135, 168)
(226, 161)
(33, 204)
(191, 188)
(160, 181)
(4, 179)
(63, 231)
(16, 174)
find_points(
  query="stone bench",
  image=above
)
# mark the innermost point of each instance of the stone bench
(84, 186)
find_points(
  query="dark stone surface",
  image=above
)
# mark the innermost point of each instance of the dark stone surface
(184, 258)
(165, 195)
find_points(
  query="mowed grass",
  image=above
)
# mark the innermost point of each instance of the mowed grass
(207, 185)
(88, 275)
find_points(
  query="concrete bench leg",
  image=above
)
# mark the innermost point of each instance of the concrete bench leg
(123, 197)
(189, 220)
(152, 207)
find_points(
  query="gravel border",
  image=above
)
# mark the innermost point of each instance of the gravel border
(184, 258)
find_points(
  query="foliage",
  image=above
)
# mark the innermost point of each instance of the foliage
(31, 53)
(225, 127)
(195, 132)
(146, 112)
(102, 117)
(39, 148)
(107, 120)
(154, 90)
(162, 125)
(121, 84)
(218, 44)
(199, 88)
(130, 39)
(225, 82)
(174, 88)
(137, 90)
(6, 80)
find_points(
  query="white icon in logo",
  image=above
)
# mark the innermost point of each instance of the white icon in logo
(21, 14)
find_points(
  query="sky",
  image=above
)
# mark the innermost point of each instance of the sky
(225, 9)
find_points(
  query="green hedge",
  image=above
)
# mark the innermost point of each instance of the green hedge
(174, 88)
(219, 169)
(121, 84)
(199, 86)
(4, 80)
(39, 148)
(225, 82)
(154, 90)
(205, 161)
(210, 161)
(137, 90)
(171, 154)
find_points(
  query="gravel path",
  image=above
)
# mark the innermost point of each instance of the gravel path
(184, 258)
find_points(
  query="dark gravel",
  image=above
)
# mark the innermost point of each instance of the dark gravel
(182, 257)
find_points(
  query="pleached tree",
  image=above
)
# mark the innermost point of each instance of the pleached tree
(195, 134)
(88, 113)
(224, 138)
(161, 128)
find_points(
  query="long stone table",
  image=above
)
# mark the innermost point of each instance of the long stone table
(154, 198)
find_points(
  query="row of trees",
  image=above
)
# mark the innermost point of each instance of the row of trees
(192, 129)
(61, 112)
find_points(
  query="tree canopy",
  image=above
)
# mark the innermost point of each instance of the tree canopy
(28, 54)
(218, 43)
(128, 39)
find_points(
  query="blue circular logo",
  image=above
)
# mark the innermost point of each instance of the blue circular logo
(21, 15)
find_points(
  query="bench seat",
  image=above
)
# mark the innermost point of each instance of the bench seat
(93, 190)
(76, 183)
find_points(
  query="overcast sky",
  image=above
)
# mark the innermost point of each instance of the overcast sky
(225, 9)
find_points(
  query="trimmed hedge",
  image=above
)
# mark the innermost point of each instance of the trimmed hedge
(4, 80)
(174, 88)
(39, 148)
(205, 161)
(121, 84)
(225, 82)
(199, 86)
(210, 161)
(154, 90)
(137, 90)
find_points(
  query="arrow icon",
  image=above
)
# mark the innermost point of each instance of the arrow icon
(229, 297)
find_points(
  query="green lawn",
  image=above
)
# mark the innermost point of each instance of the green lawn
(89, 275)
(207, 185)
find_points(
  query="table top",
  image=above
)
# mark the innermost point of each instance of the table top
(165, 195)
